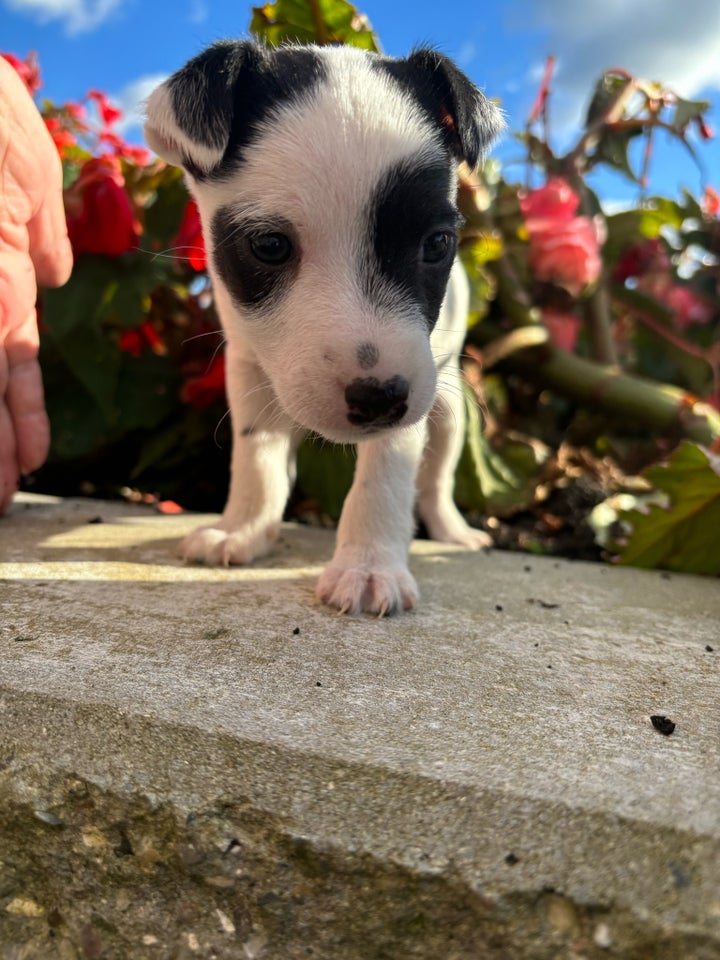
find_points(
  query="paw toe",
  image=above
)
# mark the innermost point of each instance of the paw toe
(357, 590)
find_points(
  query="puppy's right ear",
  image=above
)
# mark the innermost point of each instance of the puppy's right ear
(190, 115)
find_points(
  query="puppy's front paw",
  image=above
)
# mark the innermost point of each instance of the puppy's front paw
(220, 547)
(367, 587)
(447, 525)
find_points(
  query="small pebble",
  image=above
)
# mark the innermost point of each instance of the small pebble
(662, 724)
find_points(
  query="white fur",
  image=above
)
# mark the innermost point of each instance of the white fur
(316, 165)
(168, 140)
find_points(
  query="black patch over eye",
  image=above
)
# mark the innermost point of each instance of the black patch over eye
(255, 259)
(413, 235)
(273, 249)
(439, 247)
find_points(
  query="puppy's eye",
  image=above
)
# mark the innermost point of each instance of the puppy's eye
(438, 247)
(273, 249)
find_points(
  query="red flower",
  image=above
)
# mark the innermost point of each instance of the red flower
(120, 148)
(137, 340)
(704, 129)
(204, 391)
(108, 113)
(62, 137)
(76, 111)
(711, 202)
(650, 256)
(189, 243)
(99, 213)
(139, 155)
(544, 91)
(564, 248)
(28, 70)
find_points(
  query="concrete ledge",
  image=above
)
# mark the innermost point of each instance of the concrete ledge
(202, 763)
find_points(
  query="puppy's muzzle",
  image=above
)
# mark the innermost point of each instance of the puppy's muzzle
(372, 403)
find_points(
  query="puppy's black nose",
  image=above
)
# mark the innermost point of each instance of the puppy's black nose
(374, 403)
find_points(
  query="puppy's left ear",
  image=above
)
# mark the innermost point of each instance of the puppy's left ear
(468, 120)
(190, 115)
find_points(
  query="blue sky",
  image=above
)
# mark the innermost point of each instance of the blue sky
(126, 46)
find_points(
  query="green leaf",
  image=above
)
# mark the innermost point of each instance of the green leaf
(691, 208)
(322, 22)
(147, 391)
(501, 481)
(126, 299)
(688, 110)
(644, 223)
(684, 535)
(613, 150)
(166, 205)
(71, 318)
(608, 87)
(78, 425)
(325, 473)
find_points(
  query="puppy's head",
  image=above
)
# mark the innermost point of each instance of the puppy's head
(325, 179)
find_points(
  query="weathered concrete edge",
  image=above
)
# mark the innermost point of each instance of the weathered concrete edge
(509, 853)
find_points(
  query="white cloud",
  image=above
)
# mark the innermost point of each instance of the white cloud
(665, 40)
(199, 11)
(131, 98)
(78, 16)
(467, 53)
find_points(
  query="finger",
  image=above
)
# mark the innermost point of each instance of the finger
(18, 287)
(9, 472)
(25, 396)
(26, 403)
(49, 244)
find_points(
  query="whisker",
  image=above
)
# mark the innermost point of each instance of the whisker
(208, 333)
(217, 427)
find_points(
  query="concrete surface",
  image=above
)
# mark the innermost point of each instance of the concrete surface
(203, 763)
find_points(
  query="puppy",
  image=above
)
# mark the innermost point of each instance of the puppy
(326, 183)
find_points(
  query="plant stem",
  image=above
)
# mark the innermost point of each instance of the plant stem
(658, 406)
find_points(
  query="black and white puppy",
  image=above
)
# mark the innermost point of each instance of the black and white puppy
(326, 182)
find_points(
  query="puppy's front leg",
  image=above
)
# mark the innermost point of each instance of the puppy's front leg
(262, 471)
(369, 571)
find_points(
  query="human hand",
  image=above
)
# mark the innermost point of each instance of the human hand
(34, 248)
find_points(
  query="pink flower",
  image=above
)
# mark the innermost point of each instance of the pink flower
(567, 254)
(686, 306)
(564, 248)
(563, 327)
(554, 202)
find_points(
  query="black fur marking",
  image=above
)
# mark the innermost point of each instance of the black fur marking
(251, 282)
(222, 96)
(372, 403)
(467, 121)
(368, 356)
(410, 205)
